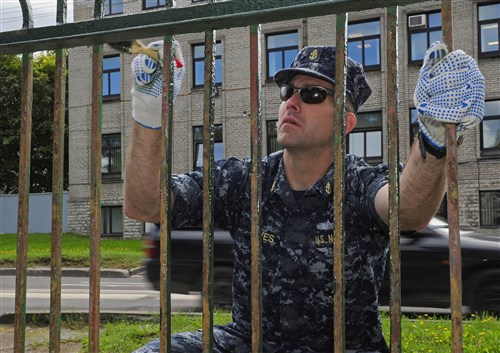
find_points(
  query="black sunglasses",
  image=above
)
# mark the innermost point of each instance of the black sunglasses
(308, 94)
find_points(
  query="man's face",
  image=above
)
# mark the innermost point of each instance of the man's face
(305, 126)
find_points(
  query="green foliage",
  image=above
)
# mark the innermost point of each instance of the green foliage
(42, 121)
(115, 253)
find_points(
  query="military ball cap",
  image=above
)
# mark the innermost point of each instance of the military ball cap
(320, 62)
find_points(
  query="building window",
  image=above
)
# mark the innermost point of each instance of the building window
(111, 82)
(111, 221)
(152, 4)
(363, 44)
(365, 140)
(281, 49)
(199, 64)
(490, 208)
(272, 137)
(111, 160)
(423, 30)
(489, 29)
(490, 129)
(413, 125)
(198, 145)
(113, 7)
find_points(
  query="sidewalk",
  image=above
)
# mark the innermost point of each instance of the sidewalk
(76, 272)
(36, 335)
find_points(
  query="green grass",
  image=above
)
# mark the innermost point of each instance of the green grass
(424, 334)
(115, 253)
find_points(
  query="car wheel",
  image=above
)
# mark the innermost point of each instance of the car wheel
(484, 293)
(223, 286)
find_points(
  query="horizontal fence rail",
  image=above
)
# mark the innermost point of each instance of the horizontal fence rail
(207, 18)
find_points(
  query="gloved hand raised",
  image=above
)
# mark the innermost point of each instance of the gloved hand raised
(450, 89)
(148, 84)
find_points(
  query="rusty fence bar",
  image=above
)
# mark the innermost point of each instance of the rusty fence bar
(208, 184)
(95, 191)
(453, 208)
(237, 13)
(256, 148)
(57, 189)
(393, 152)
(165, 199)
(338, 181)
(24, 188)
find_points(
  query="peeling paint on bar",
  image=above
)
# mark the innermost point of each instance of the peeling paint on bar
(216, 15)
(393, 151)
(338, 180)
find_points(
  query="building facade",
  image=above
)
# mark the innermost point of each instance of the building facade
(476, 31)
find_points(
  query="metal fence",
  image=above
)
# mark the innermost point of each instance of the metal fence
(208, 17)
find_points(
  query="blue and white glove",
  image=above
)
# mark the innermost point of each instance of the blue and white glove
(450, 90)
(148, 84)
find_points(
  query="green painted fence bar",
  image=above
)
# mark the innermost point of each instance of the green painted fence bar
(207, 17)
(216, 15)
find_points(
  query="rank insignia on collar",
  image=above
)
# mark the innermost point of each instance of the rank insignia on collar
(328, 188)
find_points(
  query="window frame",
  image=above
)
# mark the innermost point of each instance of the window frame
(158, 5)
(109, 150)
(373, 160)
(425, 29)
(269, 137)
(488, 152)
(413, 126)
(269, 78)
(109, 4)
(106, 75)
(218, 56)
(481, 218)
(110, 220)
(488, 54)
(198, 142)
(365, 38)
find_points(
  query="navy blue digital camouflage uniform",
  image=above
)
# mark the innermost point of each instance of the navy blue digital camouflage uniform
(297, 244)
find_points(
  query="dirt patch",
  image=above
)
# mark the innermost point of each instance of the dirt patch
(37, 339)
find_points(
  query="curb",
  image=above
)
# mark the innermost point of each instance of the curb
(76, 272)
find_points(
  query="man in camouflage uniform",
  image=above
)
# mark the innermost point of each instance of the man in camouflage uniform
(297, 221)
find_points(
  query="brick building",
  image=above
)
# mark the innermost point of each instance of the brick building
(476, 31)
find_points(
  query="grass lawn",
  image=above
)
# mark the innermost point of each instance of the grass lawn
(424, 334)
(115, 253)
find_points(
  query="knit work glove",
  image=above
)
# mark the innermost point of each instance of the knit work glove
(148, 84)
(450, 90)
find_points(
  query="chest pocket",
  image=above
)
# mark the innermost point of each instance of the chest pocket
(320, 255)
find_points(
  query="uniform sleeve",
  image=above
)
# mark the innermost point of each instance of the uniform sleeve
(363, 182)
(230, 180)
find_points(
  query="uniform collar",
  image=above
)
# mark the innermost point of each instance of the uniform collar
(282, 188)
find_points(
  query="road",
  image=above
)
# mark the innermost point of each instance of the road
(128, 295)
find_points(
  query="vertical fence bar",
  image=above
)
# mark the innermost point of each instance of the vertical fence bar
(256, 143)
(338, 179)
(57, 189)
(95, 191)
(165, 199)
(24, 189)
(393, 151)
(453, 206)
(208, 184)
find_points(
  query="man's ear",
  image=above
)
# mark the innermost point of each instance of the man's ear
(350, 121)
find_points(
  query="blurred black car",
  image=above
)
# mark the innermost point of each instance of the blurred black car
(425, 274)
